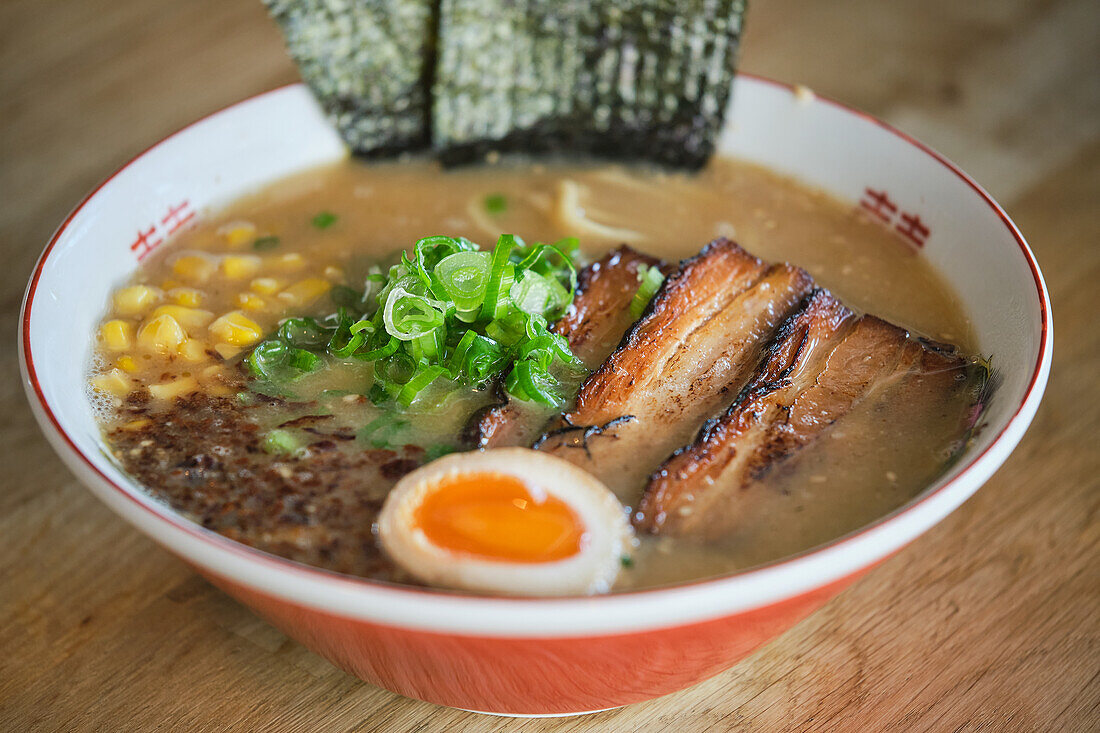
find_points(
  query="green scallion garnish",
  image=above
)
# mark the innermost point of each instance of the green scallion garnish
(324, 220)
(438, 450)
(496, 203)
(465, 277)
(264, 243)
(279, 442)
(651, 280)
(382, 431)
(447, 312)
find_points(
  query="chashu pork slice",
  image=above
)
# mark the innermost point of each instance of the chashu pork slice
(822, 362)
(681, 364)
(594, 325)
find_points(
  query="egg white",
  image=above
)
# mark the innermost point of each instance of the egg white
(608, 536)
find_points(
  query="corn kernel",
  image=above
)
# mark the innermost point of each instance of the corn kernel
(116, 335)
(237, 329)
(305, 291)
(238, 267)
(135, 300)
(187, 297)
(194, 268)
(267, 285)
(238, 233)
(162, 334)
(335, 274)
(174, 389)
(114, 382)
(250, 302)
(193, 350)
(127, 364)
(136, 424)
(226, 351)
(290, 262)
(214, 371)
(192, 319)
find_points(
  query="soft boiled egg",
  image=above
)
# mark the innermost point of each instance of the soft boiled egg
(509, 520)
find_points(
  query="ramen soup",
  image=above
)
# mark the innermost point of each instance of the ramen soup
(275, 371)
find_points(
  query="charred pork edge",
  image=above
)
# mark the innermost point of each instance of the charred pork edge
(665, 293)
(911, 351)
(775, 293)
(668, 290)
(761, 384)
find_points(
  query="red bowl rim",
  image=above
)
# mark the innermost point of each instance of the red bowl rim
(1036, 384)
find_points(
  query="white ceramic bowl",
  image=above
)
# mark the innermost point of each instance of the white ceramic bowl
(535, 656)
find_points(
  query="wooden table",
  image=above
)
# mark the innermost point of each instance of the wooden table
(989, 622)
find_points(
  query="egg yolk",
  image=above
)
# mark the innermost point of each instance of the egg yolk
(494, 516)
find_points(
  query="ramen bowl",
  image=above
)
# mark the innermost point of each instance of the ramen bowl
(536, 656)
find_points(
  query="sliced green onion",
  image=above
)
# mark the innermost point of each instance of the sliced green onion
(407, 316)
(458, 356)
(267, 357)
(437, 451)
(378, 394)
(342, 342)
(527, 381)
(279, 442)
(324, 220)
(499, 283)
(539, 260)
(545, 349)
(444, 309)
(381, 352)
(426, 347)
(500, 331)
(395, 371)
(382, 430)
(531, 293)
(304, 361)
(651, 280)
(265, 243)
(567, 246)
(496, 203)
(347, 346)
(418, 383)
(534, 324)
(557, 268)
(476, 357)
(303, 333)
(427, 252)
(363, 326)
(465, 276)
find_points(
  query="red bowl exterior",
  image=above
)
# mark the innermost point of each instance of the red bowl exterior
(533, 676)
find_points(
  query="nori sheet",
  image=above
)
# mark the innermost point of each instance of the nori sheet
(369, 63)
(634, 79)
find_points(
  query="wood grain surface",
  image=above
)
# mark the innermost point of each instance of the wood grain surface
(989, 622)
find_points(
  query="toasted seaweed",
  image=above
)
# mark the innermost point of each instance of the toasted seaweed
(640, 79)
(369, 63)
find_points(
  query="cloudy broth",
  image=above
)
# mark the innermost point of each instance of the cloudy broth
(279, 252)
